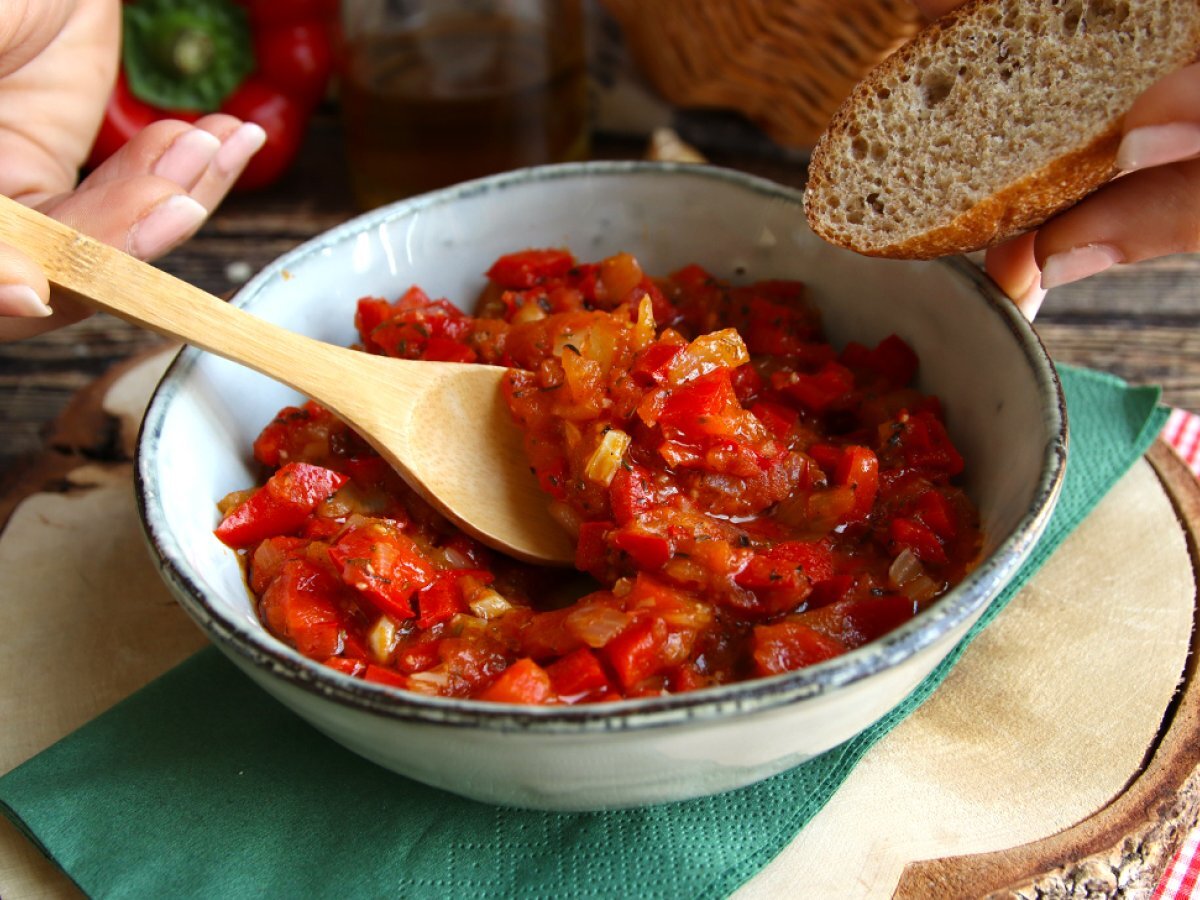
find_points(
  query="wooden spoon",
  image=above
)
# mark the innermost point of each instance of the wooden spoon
(443, 426)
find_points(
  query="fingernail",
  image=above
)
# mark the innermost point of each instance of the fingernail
(1078, 262)
(1027, 295)
(1154, 145)
(237, 149)
(165, 225)
(22, 301)
(1030, 301)
(187, 158)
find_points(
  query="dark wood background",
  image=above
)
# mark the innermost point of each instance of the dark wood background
(1139, 322)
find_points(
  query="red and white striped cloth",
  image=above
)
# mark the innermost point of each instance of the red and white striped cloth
(1182, 432)
(1181, 881)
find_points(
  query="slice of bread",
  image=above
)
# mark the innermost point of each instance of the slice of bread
(989, 121)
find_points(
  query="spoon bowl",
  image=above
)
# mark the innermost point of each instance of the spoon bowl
(443, 426)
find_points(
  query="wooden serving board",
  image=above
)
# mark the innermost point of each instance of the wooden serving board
(1058, 759)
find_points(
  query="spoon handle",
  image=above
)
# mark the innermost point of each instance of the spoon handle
(108, 279)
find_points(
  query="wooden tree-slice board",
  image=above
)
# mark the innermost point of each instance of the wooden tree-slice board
(1013, 779)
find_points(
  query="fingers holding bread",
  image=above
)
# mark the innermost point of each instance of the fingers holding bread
(1163, 125)
(991, 120)
(1150, 213)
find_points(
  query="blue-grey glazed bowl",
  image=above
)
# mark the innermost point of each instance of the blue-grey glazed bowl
(1002, 398)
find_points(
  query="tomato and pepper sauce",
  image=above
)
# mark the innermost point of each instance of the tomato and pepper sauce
(745, 498)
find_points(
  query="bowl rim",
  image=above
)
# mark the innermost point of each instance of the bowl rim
(261, 651)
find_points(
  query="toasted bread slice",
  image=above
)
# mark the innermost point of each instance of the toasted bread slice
(989, 121)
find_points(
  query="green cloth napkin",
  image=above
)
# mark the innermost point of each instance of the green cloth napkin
(200, 785)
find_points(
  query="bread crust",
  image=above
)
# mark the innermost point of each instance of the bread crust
(1023, 203)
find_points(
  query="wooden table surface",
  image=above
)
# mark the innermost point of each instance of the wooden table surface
(1140, 322)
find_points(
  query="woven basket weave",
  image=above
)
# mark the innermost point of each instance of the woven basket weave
(784, 64)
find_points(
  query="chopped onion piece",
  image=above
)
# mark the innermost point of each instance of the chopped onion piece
(721, 349)
(530, 312)
(464, 625)
(920, 589)
(645, 328)
(489, 604)
(382, 639)
(455, 559)
(904, 569)
(606, 458)
(431, 681)
(595, 624)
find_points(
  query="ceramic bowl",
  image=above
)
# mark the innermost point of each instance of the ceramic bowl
(1004, 408)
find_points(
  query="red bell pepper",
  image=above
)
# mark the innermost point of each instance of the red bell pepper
(522, 682)
(788, 645)
(636, 653)
(384, 565)
(263, 62)
(279, 507)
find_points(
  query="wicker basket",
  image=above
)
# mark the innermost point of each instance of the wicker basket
(784, 64)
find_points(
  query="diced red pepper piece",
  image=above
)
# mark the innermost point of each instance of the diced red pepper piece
(280, 506)
(269, 556)
(383, 565)
(920, 539)
(370, 313)
(779, 326)
(896, 360)
(776, 418)
(926, 444)
(547, 637)
(855, 622)
(830, 590)
(822, 389)
(440, 601)
(648, 551)
(788, 645)
(827, 456)
(577, 674)
(631, 493)
(299, 606)
(650, 366)
(935, 510)
(522, 682)
(787, 565)
(891, 358)
(419, 656)
(687, 678)
(591, 551)
(384, 675)
(636, 653)
(698, 407)
(441, 349)
(351, 666)
(859, 469)
(527, 268)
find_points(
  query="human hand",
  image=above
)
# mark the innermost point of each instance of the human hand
(1152, 210)
(58, 60)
